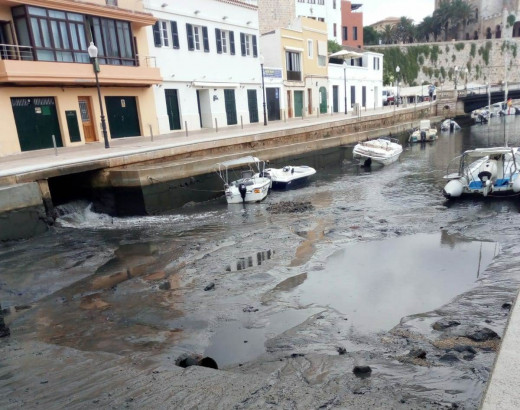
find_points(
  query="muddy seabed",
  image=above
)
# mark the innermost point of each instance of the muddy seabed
(100, 308)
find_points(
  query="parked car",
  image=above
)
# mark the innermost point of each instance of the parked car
(388, 97)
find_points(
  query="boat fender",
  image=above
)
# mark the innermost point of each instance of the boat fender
(453, 189)
(423, 135)
(516, 184)
(243, 190)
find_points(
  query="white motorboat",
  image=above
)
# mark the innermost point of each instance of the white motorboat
(381, 150)
(289, 176)
(251, 186)
(450, 125)
(424, 133)
(484, 172)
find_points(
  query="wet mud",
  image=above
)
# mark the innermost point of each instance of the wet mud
(110, 305)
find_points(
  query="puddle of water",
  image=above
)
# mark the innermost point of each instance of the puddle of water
(375, 284)
(241, 341)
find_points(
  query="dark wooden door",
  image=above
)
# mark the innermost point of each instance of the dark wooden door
(231, 108)
(252, 104)
(335, 98)
(272, 96)
(123, 120)
(172, 107)
(298, 103)
(36, 122)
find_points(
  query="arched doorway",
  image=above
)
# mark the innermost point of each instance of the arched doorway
(498, 32)
(488, 33)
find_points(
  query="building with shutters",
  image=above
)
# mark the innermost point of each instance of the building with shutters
(48, 82)
(208, 52)
(274, 14)
(299, 54)
(359, 79)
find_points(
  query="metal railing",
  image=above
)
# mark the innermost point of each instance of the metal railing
(294, 75)
(14, 52)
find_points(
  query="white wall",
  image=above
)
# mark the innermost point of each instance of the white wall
(325, 11)
(365, 75)
(188, 71)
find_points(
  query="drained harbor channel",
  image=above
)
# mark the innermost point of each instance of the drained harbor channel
(377, 293)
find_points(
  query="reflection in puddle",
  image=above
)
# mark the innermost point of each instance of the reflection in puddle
(377, 283)
(242, 341)
(250, 261)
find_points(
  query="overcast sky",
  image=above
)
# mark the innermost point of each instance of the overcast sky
(375, 10)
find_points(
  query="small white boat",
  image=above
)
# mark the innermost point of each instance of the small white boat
(483, 172)
(450, 125)
(289, 176)
(424, 133)
(382, 150)
(250, 186)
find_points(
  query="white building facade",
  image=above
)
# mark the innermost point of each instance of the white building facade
(362, 79)
(208, 53)
(328, 11)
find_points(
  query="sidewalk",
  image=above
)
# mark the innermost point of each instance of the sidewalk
(44, 159)
(503, 392)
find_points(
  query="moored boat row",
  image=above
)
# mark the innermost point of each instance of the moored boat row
(255, 180)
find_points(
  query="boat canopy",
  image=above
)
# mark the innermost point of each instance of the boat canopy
(482, 152)
(239, 161)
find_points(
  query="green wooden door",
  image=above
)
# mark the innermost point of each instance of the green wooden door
(231, 108)
(323, 100)
(252, 104)
(298, 103)
(36, 121)
(122, 117)
(172, 107)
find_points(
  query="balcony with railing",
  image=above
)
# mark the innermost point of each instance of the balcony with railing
(294, 75)
(20, 65)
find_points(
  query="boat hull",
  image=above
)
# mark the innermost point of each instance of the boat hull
(289, 177)
(254, 193)
(380, 151)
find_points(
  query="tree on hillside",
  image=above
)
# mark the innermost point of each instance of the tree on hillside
(370, 36)
(427, 28)
(462, 14)
(405, 30)
(442, 17)
(388, 34)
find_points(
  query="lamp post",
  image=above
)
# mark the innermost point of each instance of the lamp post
(345, 85)
(263, 88)
(456, 75)
(397, 69)
(93, 52)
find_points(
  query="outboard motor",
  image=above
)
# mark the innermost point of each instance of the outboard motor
(423, 136)
(367, 163)
(243, 190)
(452, 126)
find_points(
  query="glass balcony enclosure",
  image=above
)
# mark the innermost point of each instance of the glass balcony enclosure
(61, 36)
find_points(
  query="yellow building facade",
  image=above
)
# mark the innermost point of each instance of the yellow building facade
(49, 92)
(300, 53)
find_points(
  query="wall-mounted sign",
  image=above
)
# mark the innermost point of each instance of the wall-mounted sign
(272, 72)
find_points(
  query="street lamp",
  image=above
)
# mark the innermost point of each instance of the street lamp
(345, 85)
(397, 69)
(263, 88)
(456, 75)
(93, 52)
